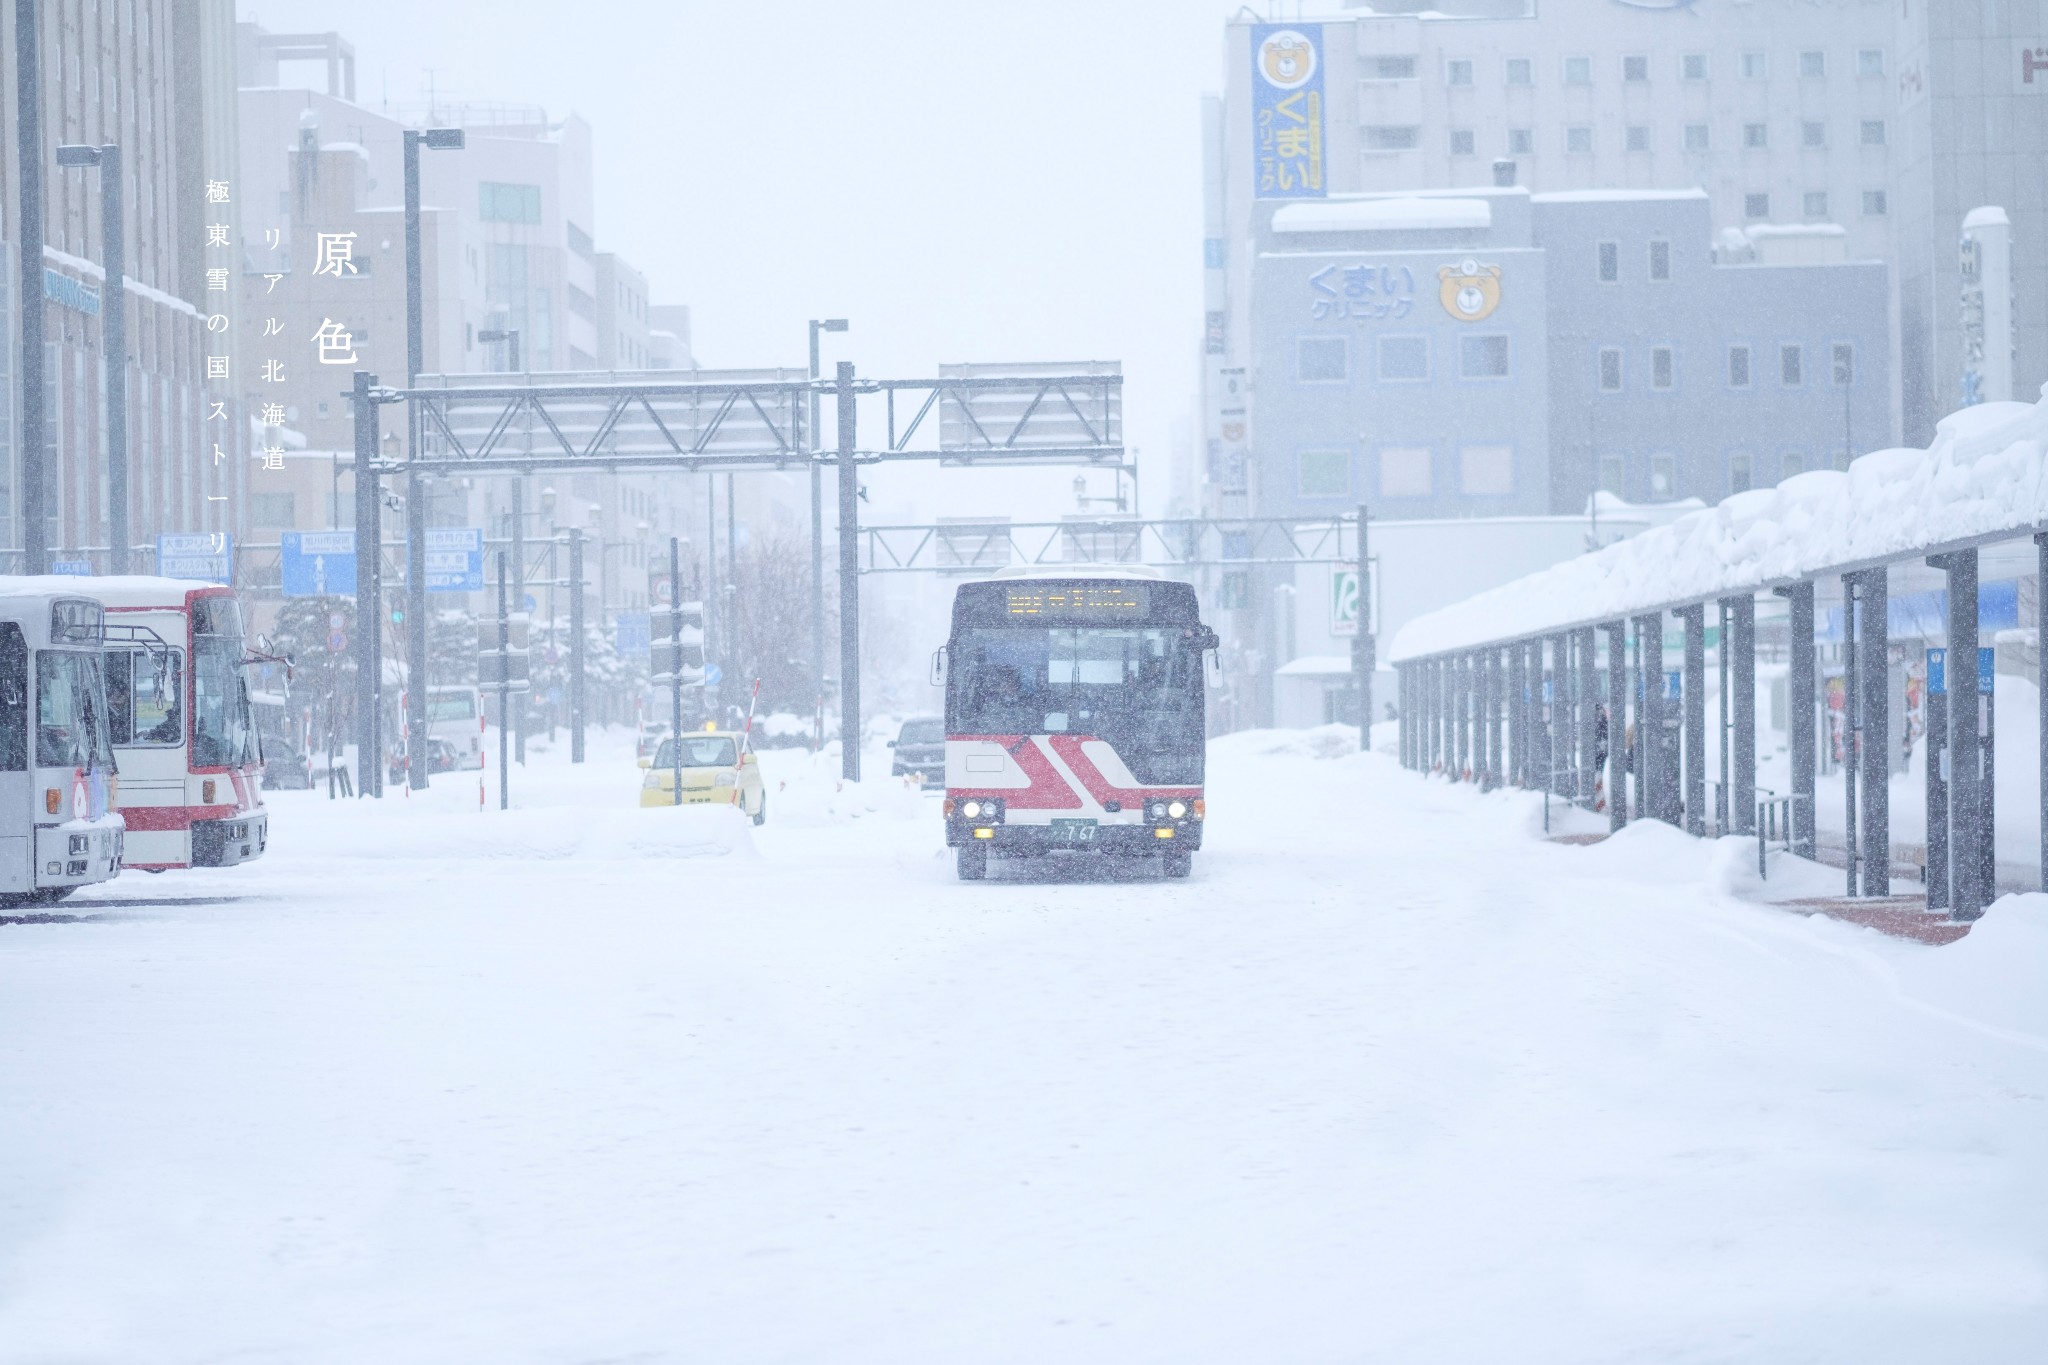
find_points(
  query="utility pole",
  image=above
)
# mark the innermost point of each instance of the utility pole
(849, 581)
(575, 644)
(818, 545)
(113, 338)
(438, 139)
(675, 680)
(33, 433)
(504, 689)
(369, 604)
(519, 581)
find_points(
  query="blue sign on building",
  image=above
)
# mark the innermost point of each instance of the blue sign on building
(1987, 670)
(205, 555)
(72, 568)
(455, 559)
(318, 563)
(1287, 112)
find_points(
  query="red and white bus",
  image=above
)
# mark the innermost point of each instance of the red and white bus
(1075, 717)
(185, 736)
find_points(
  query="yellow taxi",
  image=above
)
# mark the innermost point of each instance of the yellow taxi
(718, 768)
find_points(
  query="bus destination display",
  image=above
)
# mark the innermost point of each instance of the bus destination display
(1069, 600)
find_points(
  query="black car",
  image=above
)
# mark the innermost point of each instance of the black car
(284, 767)
(921, 750)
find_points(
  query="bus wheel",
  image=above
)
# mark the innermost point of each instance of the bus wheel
(1177, 863)
(972, 862)
(761, 811)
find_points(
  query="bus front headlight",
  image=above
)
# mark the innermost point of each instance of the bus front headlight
(1176, 809)
(971, 809)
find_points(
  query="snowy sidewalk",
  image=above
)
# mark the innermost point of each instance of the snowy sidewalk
(1391, 1078)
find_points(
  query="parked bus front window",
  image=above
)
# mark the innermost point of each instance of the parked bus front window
(13, 698)
(223, 731)
(71, 712)
(145, 700)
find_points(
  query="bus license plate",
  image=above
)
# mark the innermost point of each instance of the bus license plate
(1073, 831)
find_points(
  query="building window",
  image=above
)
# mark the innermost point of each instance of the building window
(1392, 137)
(1463, 142)
(1663, 367)
(273, 510)
(1693, 66)
(1663, 476)
(1873, 202)
(1635, 68)
(1610, 262)
(1791, 465)
(1813, 133)
(1404, 358)
(1756, 135)
(508, 203)
(1521, 142)
(1791, 365)
(1814, 204)
(1578, 71)
(1813, 64)
(1323, 473)
(1695, 137)
(1756, 206)
(1842, 363)
(1520, 71)
(1870, 62)
(1638, 137)
(1459, 72)
(1611, 473)
(1486, 471)
(1484, 357)
(1873, 132)
(1754, 67)
(1390, 68)
(1405, 472)
(1660, 260)
(1322, 360)
(1738, 473)
(1578, 140)
(1610, 369)
(1738, 367)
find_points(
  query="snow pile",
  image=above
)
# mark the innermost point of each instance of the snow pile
(1985, 474)
(1993, 974)
(1324, 741)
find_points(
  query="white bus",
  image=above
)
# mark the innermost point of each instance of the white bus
(455, 714)
(59, 827)
(184, 732)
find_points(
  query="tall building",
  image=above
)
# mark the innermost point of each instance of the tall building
(155, 78)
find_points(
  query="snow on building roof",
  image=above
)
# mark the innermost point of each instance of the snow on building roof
(1988, 216)
(1614, 196)
(1984, 478)
(1405, 213)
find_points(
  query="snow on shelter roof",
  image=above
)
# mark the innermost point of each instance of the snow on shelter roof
(1405, 213)
(1614, 196)
(1985, 478)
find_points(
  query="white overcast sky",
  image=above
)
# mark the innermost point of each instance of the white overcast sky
(965, 181)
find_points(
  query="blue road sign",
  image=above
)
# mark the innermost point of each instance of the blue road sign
(1937, 672)
(318, 563)
(1987, 671)
(712, 674)
(205, 555)
(455, 559)
(72, 568)
(1674, 685)
(529, 604)
(630, 633)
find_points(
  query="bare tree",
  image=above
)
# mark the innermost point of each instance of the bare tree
(774, 610)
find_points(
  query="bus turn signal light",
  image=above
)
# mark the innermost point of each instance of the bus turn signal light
(1201, 807)
(50, 800)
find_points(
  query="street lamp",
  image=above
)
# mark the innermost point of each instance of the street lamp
(818, 543)
(113, 338)
(437, 139)
(508, 335)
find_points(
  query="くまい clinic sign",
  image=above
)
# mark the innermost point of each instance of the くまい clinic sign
(1287, 111)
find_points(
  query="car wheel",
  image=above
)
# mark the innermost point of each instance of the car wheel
(1178, 863)
(971, 861)
(761, 811)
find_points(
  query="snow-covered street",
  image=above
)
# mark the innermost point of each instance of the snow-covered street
(1390, 1079)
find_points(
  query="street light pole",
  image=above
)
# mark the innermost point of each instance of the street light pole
(818, 544)
(28, 299)
(439, 139)
(113, 338)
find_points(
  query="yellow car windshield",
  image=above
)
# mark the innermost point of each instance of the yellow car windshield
(699, 751)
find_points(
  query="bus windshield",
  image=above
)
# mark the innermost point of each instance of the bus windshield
(1139, 688)
(223, 731)
(71, 712)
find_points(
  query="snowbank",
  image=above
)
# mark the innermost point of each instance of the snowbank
(1986, 475)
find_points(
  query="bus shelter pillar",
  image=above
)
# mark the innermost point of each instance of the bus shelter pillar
(1617, 724)
(1518, 726)
(2041, 687)
(1550, 703)
(1876, 758)
(1492, 694)
(1742, 682)
(1440, 728)
(1658, 731)
(1588, 739)
(1967, 892)
(1937, 877)
(369, 614)
(1800, 702)
(1694, 720)
(1462, 695)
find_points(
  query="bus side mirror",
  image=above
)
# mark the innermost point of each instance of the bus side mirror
(939, 666)
(1212, 667)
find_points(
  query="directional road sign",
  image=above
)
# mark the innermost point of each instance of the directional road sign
(630, 632)
(205, 555)
(455, 559)
(318, 563)
(712, 675)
